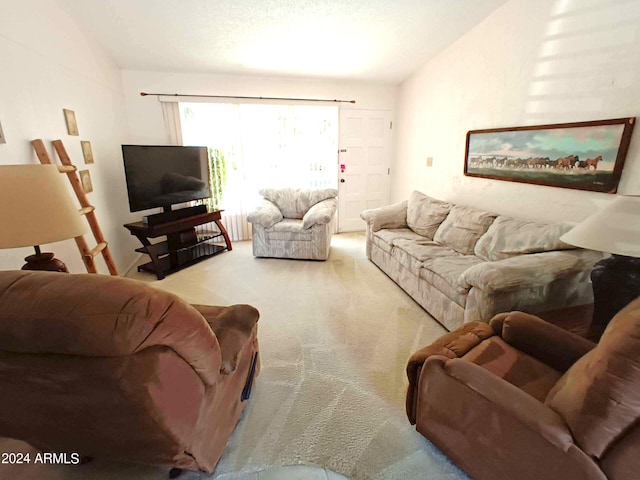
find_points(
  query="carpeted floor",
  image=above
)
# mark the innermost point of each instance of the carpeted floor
(334, 337)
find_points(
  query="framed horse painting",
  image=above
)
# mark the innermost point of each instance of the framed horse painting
(582, 155)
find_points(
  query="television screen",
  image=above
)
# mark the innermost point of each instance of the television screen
(161, 176)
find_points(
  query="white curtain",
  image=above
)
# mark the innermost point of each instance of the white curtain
(264, 146)
(171, 117)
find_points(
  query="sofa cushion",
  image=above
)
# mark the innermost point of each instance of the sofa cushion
(444, 272)
(412, 254)
(463, 227)
(508, 237)
(425, 214)
(386, 237)
(294, 202)
(289, 229)
(424, 250)
(514, 366)
(598, 397)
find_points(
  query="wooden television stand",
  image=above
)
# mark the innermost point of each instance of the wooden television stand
(184, 245)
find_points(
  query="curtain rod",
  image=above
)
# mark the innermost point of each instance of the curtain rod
(144, 94)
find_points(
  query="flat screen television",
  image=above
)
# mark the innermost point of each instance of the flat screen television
(161, 176)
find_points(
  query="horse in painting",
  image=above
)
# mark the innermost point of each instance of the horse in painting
(593, 162)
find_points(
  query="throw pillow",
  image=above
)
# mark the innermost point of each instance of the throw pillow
(508, 237)
(463, 227)
(425, 214)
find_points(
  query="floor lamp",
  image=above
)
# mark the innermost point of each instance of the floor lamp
(616, 280)
(36, 209)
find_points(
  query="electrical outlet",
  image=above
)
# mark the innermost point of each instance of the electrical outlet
(429, 161)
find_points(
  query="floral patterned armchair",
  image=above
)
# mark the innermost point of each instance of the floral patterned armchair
(294, 223)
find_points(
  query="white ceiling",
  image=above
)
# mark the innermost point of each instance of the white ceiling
(365, 40)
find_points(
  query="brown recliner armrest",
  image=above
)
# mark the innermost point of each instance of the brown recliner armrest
(544, 341)
(233, 327)
(452, 345)
(511, 401)
(492, 429)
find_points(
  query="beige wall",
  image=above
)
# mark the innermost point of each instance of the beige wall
(49, 64)
(531, 62)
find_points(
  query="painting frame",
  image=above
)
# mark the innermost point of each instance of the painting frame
(565, 155)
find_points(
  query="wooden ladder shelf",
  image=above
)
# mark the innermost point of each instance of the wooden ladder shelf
(87, 210)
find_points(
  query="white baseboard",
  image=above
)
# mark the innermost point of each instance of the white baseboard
(133, 264)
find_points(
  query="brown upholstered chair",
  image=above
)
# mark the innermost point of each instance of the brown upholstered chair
(113, 368)
(520, 398)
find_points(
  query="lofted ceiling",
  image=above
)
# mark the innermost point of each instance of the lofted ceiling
(365, 40)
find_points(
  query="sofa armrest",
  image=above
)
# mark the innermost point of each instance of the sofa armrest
(267, 215)
(529, 270)
(544, 341)
(452, 345)
(320, 214)
(502, 399)
(233, 326)
(390, 216)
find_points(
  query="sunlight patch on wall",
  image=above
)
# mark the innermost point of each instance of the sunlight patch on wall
(586, 61)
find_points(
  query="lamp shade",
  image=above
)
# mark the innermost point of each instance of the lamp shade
(35, 207)
(614, 229)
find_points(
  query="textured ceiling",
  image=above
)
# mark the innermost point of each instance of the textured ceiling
(365, 40)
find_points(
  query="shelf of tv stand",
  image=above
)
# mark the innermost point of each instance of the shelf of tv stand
(167, 268)
(184, 245)
(162, 248)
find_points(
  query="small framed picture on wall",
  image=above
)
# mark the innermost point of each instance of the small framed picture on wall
(87, 153)
(70, 119)
(85, 180)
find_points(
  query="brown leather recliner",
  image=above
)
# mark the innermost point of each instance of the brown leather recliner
(520, 398)
(109, 367)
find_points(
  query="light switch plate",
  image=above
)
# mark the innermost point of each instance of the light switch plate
(429, 161)
(2, 138)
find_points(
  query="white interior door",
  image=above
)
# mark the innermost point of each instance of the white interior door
(364, 160)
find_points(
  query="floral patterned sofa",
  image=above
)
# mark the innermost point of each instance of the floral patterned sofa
(462, 264)
(294, 223)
